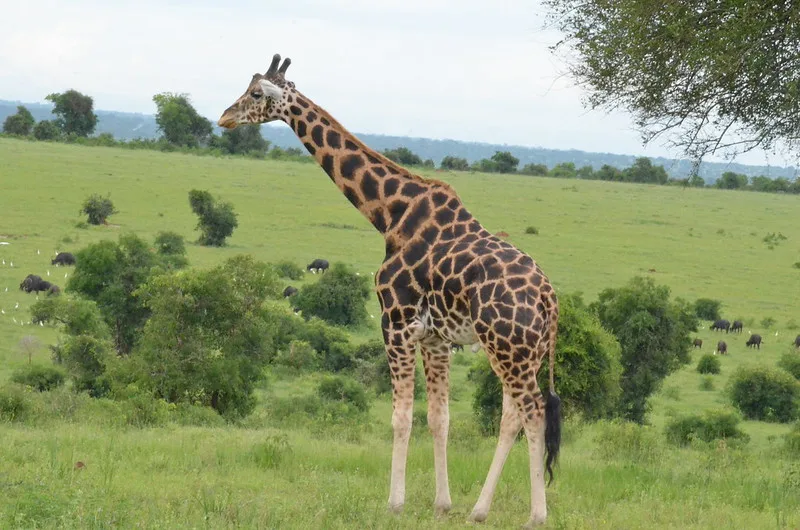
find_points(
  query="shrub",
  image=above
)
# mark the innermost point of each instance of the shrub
(98, 208)
(532, 230)
(627, 441)
(708, 364)
(339, 297)
(289, 269)
(143, 410)
(768, 322)
(217, 220)
(170, 243)
(791, 363)
(343, 389)
(792, 441)
(271, 452)
(707, 383)
(709, 426)
(86, 359)
(41, 378)
(299, 356)
(46, 130)
(331, 343)
(765, 394)
(371, 350)
(14, 403)
(198, 415)
(707, 309)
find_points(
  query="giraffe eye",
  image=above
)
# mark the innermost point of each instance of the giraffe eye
(256, 95)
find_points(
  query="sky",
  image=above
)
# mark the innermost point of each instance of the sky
(461, 69)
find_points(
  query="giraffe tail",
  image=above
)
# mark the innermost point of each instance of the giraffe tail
(552, 409)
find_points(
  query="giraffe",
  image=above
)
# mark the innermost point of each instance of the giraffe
(445, 280)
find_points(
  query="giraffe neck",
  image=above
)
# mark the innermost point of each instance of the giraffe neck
(379, 188)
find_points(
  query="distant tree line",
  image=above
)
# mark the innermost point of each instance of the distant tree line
(184, 129)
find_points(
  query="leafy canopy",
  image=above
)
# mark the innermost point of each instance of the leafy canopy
(708, 74)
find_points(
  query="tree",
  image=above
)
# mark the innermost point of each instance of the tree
(454, 163)
(537, 170)
(653, 333)
(403, 155)
(75, 112)
(20, 123)
(179, 122)
(242, 140)
(505, 162)
(98, 208)
(339, 297)
(207, 339)
(644, 171)
(217, 220)
(696, 181)
(564, 170)
(109, 273)
(731, 181)
(46, 130)
(610, 173)
(709, 75)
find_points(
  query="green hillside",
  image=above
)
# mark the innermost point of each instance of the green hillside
(592, 235)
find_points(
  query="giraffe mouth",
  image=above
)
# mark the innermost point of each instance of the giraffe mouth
(227, 122)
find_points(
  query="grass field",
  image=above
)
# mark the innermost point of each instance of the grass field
(592, 235)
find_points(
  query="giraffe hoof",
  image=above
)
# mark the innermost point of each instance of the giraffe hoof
(395, 508)
(477, 517)
(534, 522)
(441, 509)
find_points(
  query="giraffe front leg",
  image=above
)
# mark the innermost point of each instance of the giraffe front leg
(436, 360)
(402, 363)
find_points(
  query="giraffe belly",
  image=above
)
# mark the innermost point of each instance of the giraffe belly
(453, 327)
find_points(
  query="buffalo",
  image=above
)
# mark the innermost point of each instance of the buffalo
(720, 325)
(722, 347)
(63, 258)
(289, 291)
(698, 343)
(34, 283)
(457, 347)
(736, 327)
(797, 342)
(318, 265)
(754, 341)
(54, 290)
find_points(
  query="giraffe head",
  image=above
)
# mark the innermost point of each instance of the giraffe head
(264, 99)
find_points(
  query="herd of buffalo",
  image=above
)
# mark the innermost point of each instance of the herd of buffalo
(736, 327)
(34, 283)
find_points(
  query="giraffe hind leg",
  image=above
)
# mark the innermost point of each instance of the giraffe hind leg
(436, 360)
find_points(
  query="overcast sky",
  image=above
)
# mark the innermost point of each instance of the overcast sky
(461, 69)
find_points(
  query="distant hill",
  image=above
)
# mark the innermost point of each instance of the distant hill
(128, 125)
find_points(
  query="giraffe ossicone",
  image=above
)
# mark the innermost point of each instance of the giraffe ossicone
(445, 280)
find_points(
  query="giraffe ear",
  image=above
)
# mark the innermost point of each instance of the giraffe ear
(270, 89)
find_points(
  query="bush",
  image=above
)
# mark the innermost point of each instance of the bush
(216, 219)
(14, 403)
(41, 378)
(299, 356)
(707, 383)
(289, 269)
(532, 230)
(709, 426)
(345, 390)
(197, 415)
(170, 243)
(707, 309)
(271, 452)
(339, 297)
(46, 130)
(627, 441)
(708, 364)
(765, 394)
(86, 359)
(768, 322)
(371, 350)
(98, 208)
(792, 441)
(791, 363)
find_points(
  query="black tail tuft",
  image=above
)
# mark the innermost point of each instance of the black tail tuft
(552, 431)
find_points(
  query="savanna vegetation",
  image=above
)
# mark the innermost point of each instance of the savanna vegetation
(172, 385)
